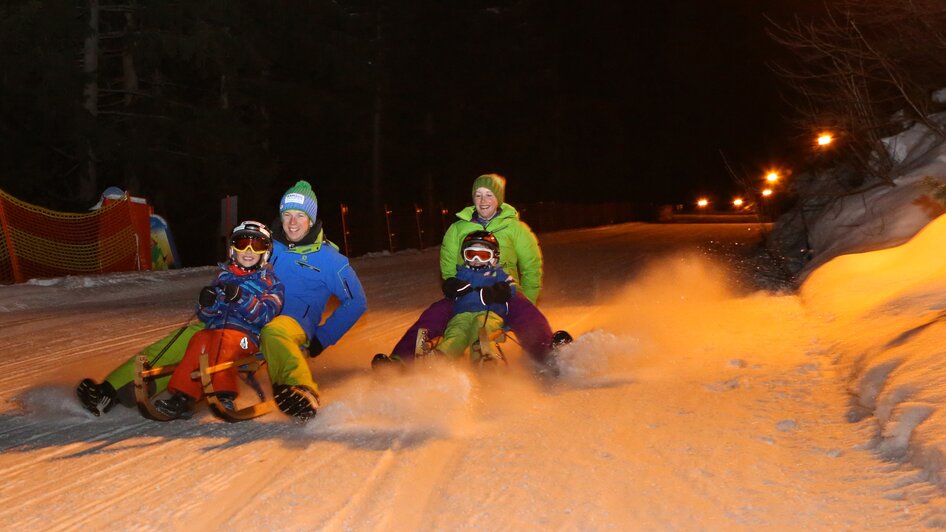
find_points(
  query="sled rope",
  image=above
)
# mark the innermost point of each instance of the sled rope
(169, 344)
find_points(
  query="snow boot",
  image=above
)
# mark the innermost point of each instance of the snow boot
(559, 340)
(381, 361)
(296, 400)
(96, 398)
(422, 344)
(177, 406)
(226, 400)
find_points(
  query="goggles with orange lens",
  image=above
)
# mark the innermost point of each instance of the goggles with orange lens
(255, 244)
(477, 255)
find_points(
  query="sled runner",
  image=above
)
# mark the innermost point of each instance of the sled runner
(247, 366)
(144, 375)
(484, 351)
(240, 414)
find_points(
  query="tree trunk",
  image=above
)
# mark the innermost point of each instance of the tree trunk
(130, 85)
(377, 180)
(129, 74)
(430, 192)
(87, 179)
(224, 95)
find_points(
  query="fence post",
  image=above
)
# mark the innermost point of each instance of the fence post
(344, 209)
(8, 239)
(387, 221)
(420, 232)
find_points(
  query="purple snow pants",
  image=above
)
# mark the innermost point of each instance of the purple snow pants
(524, 318)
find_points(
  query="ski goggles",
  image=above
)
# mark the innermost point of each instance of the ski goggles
(477, 254)
(255, 244)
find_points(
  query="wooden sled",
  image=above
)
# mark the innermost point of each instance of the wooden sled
(487, 348)
(240, 414)
(484, 352)
(144, 375)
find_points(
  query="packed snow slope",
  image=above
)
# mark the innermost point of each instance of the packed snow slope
(689, 401)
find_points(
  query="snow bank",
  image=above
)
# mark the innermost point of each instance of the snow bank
(877, 285)
(885, 321)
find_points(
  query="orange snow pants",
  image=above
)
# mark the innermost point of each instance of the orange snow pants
(222, 345)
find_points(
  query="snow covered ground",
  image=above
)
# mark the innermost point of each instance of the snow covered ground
(689, 401)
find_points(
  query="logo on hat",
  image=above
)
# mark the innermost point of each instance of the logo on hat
(294, 197)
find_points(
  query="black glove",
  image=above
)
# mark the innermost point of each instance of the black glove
(497, 293)
(231, 292)
(207, 297)
(454, 288)
(315, 347)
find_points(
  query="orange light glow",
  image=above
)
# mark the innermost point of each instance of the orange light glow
(702, 202)
(737, 202)
(824, 139)
(767, 192)
(771, 177)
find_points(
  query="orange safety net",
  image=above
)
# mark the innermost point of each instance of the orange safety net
(37, 242)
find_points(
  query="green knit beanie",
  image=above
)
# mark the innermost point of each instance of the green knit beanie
(300, 198)
(494, 182)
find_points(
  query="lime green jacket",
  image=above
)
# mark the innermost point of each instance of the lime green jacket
(519, 252)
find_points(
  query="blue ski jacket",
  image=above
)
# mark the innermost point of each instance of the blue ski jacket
(311, 274)
(261, 298)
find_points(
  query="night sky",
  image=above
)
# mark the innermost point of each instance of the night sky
(572, 101)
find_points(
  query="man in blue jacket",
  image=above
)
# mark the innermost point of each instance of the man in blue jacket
(312, 269)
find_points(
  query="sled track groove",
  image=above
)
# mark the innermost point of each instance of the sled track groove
(17, 375)
(6, 472)
(98, 472)
(255, 482)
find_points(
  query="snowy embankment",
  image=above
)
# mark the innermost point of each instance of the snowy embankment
(878, 280)
(886, 312)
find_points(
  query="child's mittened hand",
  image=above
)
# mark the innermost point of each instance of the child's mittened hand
(497, 293)
(454, 288)
(207, 297)
(231, 292)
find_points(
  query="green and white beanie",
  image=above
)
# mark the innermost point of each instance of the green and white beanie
(300, 197)
(494, 182)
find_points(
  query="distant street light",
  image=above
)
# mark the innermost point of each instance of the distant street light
(767, 192)
(771, 177)
(824, 139)
(737, 203)
(702, 202)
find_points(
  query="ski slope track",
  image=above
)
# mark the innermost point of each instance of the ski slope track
(690, 400)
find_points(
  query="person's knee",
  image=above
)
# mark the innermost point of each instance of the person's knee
(279, 328)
